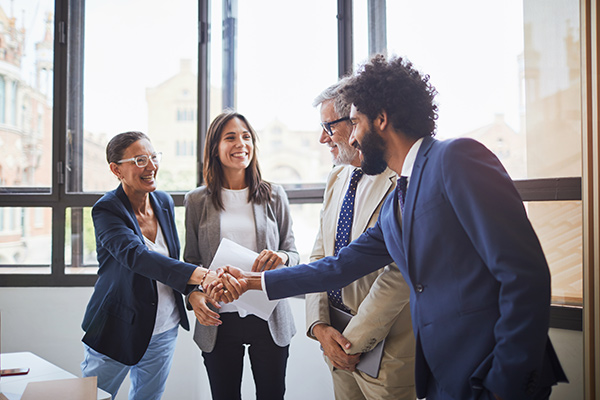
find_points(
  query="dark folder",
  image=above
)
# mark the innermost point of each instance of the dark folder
(369, 362)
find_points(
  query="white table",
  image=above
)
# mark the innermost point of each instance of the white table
(39, 370)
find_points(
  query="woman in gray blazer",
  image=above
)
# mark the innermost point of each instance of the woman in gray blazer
(237, 204)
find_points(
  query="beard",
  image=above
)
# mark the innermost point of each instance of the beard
(346, 154)
(372, 148)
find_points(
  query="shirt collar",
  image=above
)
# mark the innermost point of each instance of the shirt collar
(409, 161)
(365, 176)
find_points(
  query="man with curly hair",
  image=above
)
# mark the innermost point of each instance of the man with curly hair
(378, 301)
(460, 235)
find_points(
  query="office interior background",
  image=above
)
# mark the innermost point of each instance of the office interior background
(521, 76)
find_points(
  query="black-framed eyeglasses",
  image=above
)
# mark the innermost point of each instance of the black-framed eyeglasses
(142, 161)
(327, 125)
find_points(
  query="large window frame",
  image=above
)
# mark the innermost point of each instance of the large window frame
(65, 192)
(68, 128)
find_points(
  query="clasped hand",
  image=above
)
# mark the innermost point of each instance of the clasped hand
(334, 346)
(231, 282)
(228, 285)
(225, 287)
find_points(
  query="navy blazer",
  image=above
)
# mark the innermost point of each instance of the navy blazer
(121, 313)
(480, 284)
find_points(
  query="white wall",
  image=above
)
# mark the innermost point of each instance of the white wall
(46, 321)
(569, 347)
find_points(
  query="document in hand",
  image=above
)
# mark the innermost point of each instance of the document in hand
(369, 362)
(253, 301)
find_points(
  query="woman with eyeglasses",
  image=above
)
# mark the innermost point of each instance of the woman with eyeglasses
(132, 318)
(237, 204)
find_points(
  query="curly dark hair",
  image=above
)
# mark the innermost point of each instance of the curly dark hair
(397, 87)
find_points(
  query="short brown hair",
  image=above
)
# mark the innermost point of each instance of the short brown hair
(117, 145)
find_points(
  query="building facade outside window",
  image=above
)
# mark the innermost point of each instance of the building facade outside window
(508, 74)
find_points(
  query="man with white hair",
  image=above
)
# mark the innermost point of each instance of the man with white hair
(372, 300)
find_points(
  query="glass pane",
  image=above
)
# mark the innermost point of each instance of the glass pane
(25, 240)
(180, 223)
(277, 81)
(141, 75)
(215, 74)
(26, 76)
(507, 73)
(306, 225)
(360, 32)
(80, 241)
(558, 226)
(552, 81)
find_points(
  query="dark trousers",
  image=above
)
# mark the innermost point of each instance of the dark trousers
(435, 392)
(225, 363)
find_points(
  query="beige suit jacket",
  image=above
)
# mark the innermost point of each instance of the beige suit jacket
(378, 301)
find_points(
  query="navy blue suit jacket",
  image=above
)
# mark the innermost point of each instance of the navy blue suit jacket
(480, 284)
(121, 313)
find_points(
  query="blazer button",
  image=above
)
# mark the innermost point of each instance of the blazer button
(153, 304)
(419, 288)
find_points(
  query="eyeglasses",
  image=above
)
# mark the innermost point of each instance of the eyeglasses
(142, 161)
(327, 125)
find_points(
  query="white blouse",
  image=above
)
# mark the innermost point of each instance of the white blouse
(238, 225)
(167, 315)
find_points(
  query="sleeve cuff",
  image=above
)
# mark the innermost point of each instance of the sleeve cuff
(188, 306)
(263, 284)
(310, 330)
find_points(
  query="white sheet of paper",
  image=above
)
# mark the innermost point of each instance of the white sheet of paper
(253, 301)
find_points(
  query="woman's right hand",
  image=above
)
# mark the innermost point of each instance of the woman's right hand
(224, 287)
(199, 302)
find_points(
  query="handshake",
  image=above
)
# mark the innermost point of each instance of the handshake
(228, 283)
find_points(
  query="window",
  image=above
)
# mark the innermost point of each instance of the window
(64, 104)
(25, 235)
(508, 74)
(25, 102)
(517, 88)
(80, 241)
(186, 114)
(152, 89)
(2, 99)
(274, 84)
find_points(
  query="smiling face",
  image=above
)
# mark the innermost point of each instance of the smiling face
(341, 151)
(136, 180)
(236, 147)
(370, 145)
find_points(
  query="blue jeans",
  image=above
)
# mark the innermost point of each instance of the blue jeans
(148, 377)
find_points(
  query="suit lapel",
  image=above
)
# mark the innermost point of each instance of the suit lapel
(413, 190)
(213, 228)
(162, 217)
(120, 193)
(372, 200)
(136, 226)
(330, 217)
(398, 227)
(260, 220)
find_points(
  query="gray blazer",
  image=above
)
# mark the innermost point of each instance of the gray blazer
(273, 232)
